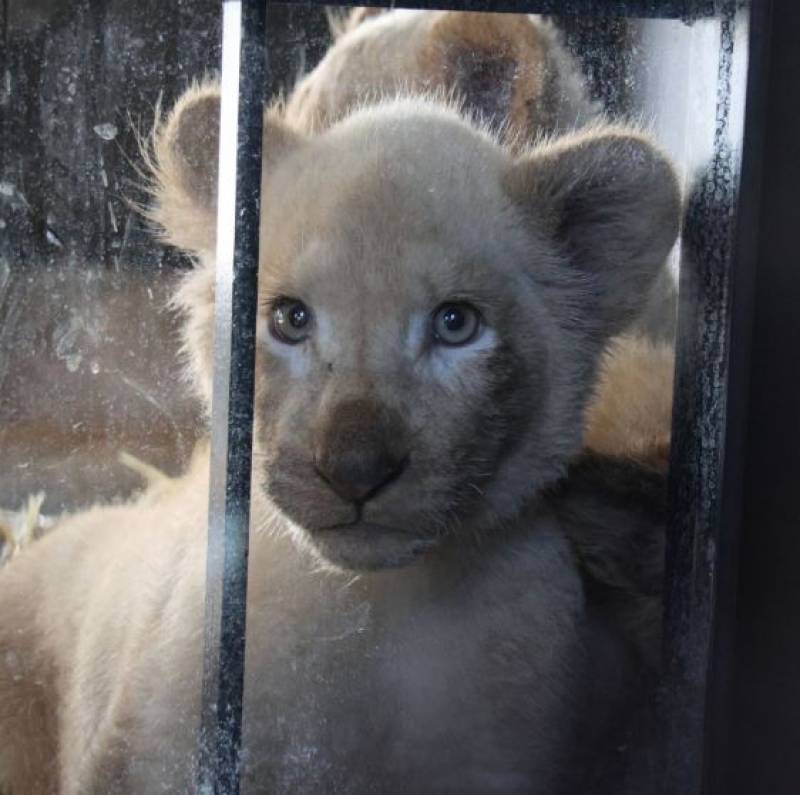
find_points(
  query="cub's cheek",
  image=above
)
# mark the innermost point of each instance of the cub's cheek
(302, 363)
(293, 487)
(459, 368)
(294, 360)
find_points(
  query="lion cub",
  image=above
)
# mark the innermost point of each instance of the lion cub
(513, 71)
(432, 312)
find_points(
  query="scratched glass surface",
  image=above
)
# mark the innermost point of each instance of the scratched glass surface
(93, 402)
(88, 354)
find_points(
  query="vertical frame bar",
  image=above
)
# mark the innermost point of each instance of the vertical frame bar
(712, 374)
(697, 455)
(719, 702)
(238, 218)
(766, 704)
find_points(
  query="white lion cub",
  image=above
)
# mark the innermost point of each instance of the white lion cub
(432, 312)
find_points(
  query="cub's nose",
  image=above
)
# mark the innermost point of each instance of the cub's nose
(357, 475)
(359, 451)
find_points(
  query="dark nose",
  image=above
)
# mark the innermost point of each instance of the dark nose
(360, 450)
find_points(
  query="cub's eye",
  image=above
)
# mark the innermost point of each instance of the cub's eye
(290, 321)
(456, 324)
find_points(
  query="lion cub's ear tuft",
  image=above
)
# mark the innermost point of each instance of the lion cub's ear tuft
(185, 167)
(611, 201)
(184, 170)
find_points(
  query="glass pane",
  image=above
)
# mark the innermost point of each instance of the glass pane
(94, 407)
(465, 361)
(88, 358)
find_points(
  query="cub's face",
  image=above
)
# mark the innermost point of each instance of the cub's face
(429, 316)
(403, 355)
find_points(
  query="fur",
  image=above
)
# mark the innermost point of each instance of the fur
(435, 634)
(510, 69)
(513, 71)
(379, 683)
(631, 413)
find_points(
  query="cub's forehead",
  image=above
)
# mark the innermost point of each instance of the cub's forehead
(408, 154)
(385, 179)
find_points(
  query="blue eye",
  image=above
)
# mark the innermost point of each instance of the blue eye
(456, 324)
(290, 321)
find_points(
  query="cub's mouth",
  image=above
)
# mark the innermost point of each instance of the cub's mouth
(364, 545)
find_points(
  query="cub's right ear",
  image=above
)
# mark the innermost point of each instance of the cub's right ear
(185, 167)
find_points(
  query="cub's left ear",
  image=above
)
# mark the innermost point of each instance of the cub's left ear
(610, 200)
(184, 168)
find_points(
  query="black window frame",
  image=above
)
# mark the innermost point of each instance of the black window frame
(709, 424)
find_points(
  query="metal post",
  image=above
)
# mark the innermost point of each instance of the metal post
(238, 215)
(709, 419)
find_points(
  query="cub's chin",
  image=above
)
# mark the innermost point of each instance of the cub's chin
(363, 546)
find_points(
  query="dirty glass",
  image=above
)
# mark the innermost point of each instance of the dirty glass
(456, 565)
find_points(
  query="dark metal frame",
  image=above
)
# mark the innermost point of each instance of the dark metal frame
(711, 403)
(232, 404)
(709, 424)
